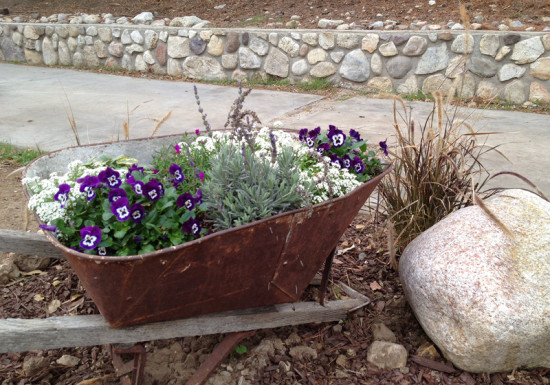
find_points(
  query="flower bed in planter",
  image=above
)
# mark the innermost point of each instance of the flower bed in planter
(214, 221)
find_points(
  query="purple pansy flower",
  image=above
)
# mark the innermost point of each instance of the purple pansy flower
(91, 236)
(120, 209)
(177, 148)
(198, 197)
(355, 135)
(186, 200)
(346, 161)
(153, 190)
(192, 226)
(137, 185)
(110, 177)
(62, 194)
(336, 136)
(88, 184)
(137, 240)
(48, 227)
(384, 147)
(302, 134)
(323, 147)
(133, 168)
(357, 165)
(115, 194)
(334, 160)
(137, 212)
(102, 251)
(178, 174)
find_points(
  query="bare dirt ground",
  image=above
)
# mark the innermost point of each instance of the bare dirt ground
(238, 13)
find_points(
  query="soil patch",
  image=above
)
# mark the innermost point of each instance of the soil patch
(277, 13)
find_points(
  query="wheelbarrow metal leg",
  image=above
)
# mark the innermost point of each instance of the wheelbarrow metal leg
(136, 365)
(324, 280)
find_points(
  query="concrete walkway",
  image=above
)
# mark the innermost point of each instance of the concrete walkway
(35, 104)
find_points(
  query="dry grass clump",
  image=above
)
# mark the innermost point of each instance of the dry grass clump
(437, 169)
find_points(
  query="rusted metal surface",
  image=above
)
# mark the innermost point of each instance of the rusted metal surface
(324, 279)
(215, 358)
(263, 263)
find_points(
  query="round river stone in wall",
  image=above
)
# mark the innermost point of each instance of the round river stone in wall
(355, 66)
(398, 66)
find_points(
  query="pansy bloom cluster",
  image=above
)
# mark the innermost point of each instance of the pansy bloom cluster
(116, 207)
(345, 151)
(127, 212)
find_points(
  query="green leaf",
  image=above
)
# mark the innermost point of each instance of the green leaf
(146, 249)
(120, 233)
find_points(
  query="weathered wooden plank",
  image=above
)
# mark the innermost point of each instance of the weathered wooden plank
(22, 242)
(17, 335)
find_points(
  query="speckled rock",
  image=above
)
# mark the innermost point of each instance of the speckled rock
(300, 67)
(186, 21)
(487, 90)
(101, 49)
(370, 42)
(49, 53)
(465, 270)
(289, 46)
(387, 355)
(316, 55)
(437, 82)
(546, 42)
(466, 87)
(178, 47)
(337, 56)
(355, 66)
(510, 71)
(277, 63)
(538, 94)
(248, 59)
(304, 49)
(64, 53)
(410, 86)
(540, 69)
(388, 49)
(245, 38)
(376, 64)
(434, 59)
(514, 92)
(483, 67)
(380, 83)
(416, 46)
(348, 40)
(463, 43)
(327, 40)
(229, 61)
(398, 66)
(310, 38)
(322, 70)
(215, 46)
(456, 66)
(502, 52)
(527, 51)
(489, 44)
(204, 68)
(259, 46)
(151, 39)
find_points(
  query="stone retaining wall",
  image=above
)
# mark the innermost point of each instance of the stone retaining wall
(511, 66)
